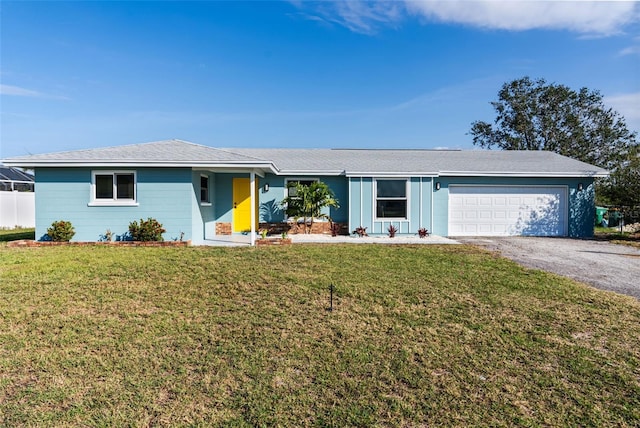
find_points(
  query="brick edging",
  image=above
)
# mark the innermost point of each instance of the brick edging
(32, 243)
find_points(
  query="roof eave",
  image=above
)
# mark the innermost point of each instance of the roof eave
(136, 163)
(386, 174)
(304, 172)
(576, 174)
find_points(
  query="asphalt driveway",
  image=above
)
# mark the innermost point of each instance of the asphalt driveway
(601, 264)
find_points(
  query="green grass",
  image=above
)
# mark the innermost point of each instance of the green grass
(613, 235)
(15, 234)
(420, 336)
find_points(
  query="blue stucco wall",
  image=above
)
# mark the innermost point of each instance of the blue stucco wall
(269, 202)
(165, 194)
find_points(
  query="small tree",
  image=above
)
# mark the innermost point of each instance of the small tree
(307, 202)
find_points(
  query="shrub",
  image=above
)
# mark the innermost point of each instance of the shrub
(423, 232)
(147, 230)
(360, 231)
(61, 231)
(392, 231)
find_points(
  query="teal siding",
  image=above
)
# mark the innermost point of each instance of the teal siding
(363, 207)
(172, 196)
(339, 186)
(203, 214)
(64, 194)
(223, 197)
(425, 200)
(361, 203)
(269, 208)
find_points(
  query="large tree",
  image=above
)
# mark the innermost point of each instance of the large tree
(536, 115)
(622, 188)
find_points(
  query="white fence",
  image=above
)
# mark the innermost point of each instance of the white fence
(17, 209)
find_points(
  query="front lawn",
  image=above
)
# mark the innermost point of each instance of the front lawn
(613, 235)
(420, 336)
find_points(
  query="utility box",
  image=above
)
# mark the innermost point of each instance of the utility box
(600, 213)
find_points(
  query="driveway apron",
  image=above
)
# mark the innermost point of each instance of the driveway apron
(601, 264)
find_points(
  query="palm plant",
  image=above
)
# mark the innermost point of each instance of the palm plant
(307, 202)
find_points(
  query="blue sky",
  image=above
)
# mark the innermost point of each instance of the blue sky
(399, 74)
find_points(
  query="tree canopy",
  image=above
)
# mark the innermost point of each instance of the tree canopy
(623, 186)
(536, 115)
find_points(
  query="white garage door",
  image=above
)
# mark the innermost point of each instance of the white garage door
(507, 210)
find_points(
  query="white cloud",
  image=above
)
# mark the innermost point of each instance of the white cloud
(18, 91)
(628, 105)
(365, 17)
(595, 17)
(584, 17)
(633, 49)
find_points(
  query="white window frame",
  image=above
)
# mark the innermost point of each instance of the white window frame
(297, 179)
(405, 198)
(286, 191)
(206, 203)
(114, 201)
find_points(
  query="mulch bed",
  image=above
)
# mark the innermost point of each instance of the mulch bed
(32, 243)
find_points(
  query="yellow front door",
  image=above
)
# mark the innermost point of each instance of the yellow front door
(242, 205)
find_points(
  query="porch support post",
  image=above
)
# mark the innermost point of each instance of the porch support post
(252, 185)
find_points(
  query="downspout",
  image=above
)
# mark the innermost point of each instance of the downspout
(431, 219)
(361, 200)
(350, 203)
(252, 192)
(420, 205)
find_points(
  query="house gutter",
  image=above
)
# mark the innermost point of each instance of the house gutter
(594, 174)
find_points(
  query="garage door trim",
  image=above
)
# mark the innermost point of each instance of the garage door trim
(560, 189)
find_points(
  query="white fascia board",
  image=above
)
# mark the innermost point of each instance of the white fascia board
(310, 173)
(140, 164)
(581, 174)
(391, 174)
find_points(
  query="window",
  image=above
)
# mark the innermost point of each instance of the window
(204, 189)
(291, 191)
(391, 199)
(113, 187)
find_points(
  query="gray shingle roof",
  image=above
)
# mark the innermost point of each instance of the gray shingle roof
(158, 151)
(352, 162)
(423, 162)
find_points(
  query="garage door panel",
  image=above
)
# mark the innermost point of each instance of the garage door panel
(507, 210)
(499, 215)
(484, 228)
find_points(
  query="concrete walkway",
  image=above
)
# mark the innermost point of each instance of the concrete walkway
(382, 239)
(243, 240)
